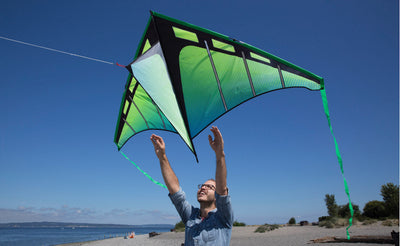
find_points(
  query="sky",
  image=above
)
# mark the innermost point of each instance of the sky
(58, 161)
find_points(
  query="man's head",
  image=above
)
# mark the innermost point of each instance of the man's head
(206, 192)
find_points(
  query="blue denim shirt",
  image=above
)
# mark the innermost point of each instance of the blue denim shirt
(214, 230)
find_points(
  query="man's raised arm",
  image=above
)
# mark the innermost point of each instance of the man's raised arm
(170, 179)
(220, 174)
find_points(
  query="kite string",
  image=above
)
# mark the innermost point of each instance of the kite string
(339, 157)
(148, 176)
(54, 50)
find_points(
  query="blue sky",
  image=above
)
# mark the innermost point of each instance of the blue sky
(58, 161)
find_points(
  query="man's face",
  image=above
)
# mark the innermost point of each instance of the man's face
(206, 193)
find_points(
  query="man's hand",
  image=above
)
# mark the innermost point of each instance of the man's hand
(159, 146)
(218, 143)
(220, 174)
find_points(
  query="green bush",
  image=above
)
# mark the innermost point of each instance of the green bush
(179, 227)
(327, 224)
(323, 218)
(236, 223)
(292, 221)
(390, 223)
(369, 222)
(266, 227)
(362, 218)
(375, 209)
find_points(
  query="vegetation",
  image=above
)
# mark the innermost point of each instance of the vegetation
(292, 221)
(391, 222)
(375, 210)
(372, 212)
(179, 227)
(327, 221)
(344, 211)
(266, 227)
(328, 224)
(236, 223)
(369, 221)
(390, 195)
(331, 205)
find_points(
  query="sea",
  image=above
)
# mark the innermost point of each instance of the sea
(55, 236)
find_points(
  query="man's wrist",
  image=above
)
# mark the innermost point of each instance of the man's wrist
(162, 157)
(220, 154)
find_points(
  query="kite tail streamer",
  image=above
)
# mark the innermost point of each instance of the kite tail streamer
(148, 176)
(339, 157)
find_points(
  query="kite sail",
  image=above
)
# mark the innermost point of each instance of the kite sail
(184, 77)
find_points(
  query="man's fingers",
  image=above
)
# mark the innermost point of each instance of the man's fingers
(216, 132)
(153, 139)
(157, 140)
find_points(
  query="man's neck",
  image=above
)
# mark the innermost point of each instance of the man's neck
(205, 208)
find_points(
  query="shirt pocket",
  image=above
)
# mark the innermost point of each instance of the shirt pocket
(209, 234)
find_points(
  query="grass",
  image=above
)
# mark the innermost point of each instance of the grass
(390, 222)
(266, 227)
(343, 222)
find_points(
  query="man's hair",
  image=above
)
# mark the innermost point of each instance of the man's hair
(212, 180)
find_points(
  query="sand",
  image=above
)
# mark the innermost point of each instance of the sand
(287, 235)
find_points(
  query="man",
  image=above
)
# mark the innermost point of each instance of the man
(211, 224)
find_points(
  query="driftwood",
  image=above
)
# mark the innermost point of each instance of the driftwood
(153, 234)
(356, 239)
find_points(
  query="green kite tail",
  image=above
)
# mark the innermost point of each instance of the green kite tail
(339, 157)
(148, 176)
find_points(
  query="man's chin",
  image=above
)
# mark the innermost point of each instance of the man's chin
(201, 199)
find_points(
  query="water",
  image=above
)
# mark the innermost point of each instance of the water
(54, 236)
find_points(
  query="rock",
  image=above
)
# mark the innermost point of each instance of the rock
(153, 234)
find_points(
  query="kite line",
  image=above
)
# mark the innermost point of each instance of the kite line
(339, 157)
(59, 51)
(93, 59)
(148, 176)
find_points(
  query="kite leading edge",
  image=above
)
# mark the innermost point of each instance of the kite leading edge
(184, 77)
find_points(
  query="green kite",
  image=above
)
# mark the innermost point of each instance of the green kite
(185, 77)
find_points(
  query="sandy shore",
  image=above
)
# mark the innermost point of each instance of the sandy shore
(288, 235)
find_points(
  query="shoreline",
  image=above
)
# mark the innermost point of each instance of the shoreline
(245, 235)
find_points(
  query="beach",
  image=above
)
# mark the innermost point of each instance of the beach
(285, 235)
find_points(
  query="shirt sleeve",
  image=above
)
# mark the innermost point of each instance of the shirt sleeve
(181, 204)
(224, 209)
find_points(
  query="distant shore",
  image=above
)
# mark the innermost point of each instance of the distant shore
(45, 224)
(286, 235)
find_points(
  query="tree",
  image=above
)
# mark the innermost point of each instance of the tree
(390, 194)
(344, 211)
(375, 209)
(292, 221)
(331, 205)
